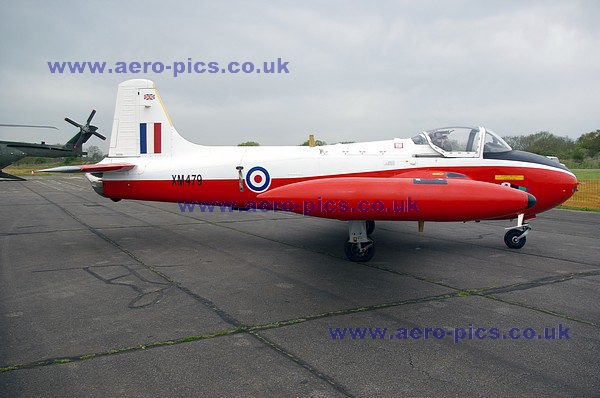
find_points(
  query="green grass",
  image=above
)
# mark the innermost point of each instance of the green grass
(583, 175)
(24, 169)
(578, 208)
(587, 174)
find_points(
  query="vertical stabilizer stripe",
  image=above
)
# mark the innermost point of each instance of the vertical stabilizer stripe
(143, 142)
(157, 138)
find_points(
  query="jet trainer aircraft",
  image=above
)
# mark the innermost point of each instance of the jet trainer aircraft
(11, 151)
(448, 174)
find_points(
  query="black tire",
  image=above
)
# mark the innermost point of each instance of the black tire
(511, 239)
(370, 227)
(354, 253)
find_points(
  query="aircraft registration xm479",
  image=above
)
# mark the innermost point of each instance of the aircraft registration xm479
(447, 174)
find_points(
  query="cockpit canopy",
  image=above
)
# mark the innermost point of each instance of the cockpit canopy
(458, 142)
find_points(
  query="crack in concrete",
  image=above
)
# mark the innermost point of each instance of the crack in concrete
(539, 282)
(149, 292)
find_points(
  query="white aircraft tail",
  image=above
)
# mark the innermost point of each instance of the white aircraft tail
(141, 126)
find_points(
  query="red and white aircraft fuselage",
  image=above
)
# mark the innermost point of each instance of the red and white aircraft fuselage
(449, 174)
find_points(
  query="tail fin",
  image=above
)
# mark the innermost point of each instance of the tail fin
(70, 145)
(74, 144)
(141, 126)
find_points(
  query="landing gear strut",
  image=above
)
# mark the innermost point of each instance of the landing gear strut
(515, 237)
(359, 246)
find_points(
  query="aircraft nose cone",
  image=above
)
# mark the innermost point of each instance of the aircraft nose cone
(531, 201)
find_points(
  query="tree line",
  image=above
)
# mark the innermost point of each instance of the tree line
(583, 152)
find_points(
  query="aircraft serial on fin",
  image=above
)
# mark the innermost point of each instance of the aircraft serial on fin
(11, 151)
(448, 174)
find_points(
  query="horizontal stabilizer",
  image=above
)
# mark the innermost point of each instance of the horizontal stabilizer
(90, 168)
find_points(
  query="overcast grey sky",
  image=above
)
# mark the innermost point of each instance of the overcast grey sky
(357, 70)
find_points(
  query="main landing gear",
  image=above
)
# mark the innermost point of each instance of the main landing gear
(515, 237)
(360, 246)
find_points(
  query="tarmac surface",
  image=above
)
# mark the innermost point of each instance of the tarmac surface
(139, 299)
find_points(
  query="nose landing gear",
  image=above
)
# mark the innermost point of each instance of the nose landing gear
(515, 237)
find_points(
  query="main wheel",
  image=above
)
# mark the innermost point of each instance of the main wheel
(362, 252)
(370, 227)
(511, 239)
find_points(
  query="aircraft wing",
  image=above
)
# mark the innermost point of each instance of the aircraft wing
(90, 168)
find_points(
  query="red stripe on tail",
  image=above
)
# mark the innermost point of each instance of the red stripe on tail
(157, 138)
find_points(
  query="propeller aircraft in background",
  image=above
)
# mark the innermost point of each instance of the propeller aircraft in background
(11, 151)
(448, 174)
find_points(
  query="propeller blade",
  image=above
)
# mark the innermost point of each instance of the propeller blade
(28, 125)
(91, 116)
(103, 138)
(94, 130)
(73, 122)
(85, 131)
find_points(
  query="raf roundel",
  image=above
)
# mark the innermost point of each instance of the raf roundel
(258, 179)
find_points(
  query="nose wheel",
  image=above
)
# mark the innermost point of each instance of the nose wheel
(516, 237)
